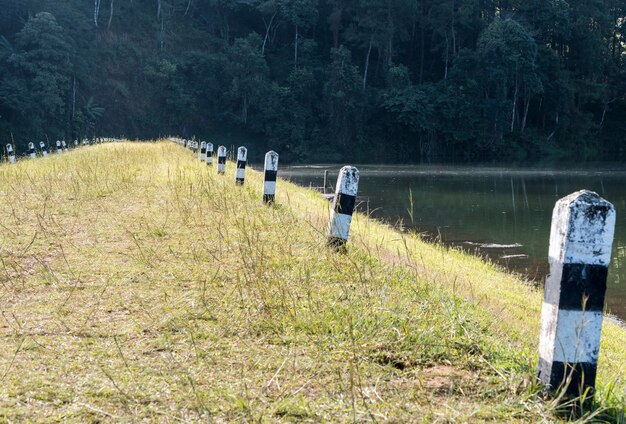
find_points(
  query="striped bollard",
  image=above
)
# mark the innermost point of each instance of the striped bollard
(270, 173)
(64, 146)
(581, 237)
(343, 207)
(11, 153)
(31, 150)
(221, 159)
(209, 154)
(58, 146)
(42, 146)
(203, 151)
(240, 172)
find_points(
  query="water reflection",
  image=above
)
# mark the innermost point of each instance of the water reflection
(501, 213)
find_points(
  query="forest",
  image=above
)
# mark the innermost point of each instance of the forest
(395, 81)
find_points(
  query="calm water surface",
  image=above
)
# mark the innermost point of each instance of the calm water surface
(501, 213)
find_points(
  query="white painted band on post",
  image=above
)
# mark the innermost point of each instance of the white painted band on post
(269, 187)
(340, 226)
(576, 338)
(42, 146)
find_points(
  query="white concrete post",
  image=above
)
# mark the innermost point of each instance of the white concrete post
(242, 159)
(75, 143)
(581, 237)
(64, 146)
(269, 179)
(11, 153)
(343, 207)
(203, 151)
(42, 146)
(58, 144)
(221, 159)
(209, 154)
(31, 150)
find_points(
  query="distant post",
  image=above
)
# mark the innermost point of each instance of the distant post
(58, 144)
(11, 153)
(31, 150)
(221, 159)
(581, 237)
(242, 159)
(209, 154)
(64, 146)
(343, 207)
(44, 150)
(203, 151)
(270, 174)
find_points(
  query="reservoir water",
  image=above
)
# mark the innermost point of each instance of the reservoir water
(500, 213)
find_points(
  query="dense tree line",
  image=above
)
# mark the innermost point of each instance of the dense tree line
(364, 80)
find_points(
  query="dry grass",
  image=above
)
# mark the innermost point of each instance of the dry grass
(136, 284)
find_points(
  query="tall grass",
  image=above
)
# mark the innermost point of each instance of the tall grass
(136, 284)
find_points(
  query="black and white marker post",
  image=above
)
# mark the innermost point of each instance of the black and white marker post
(64, 146)
(31, 150)
(42, 146)
(343, 207)
(203, 151)
(581, 237)
(58, 146)
(242, 159)
(11, 153)
(270, 173)
(209, 154)
(221, 159)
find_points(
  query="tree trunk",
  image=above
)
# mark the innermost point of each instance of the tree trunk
(110, 15)
(514, 104)
(367, 62)
(525, 114)
(295, 50)
(96, 11)
(422, 45)
(268, 28)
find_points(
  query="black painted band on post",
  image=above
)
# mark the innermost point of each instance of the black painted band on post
(345, 204)
(271, 175)
(221, 159)
(241, 164)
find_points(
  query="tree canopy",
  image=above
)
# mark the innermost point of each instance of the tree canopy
(324, 80)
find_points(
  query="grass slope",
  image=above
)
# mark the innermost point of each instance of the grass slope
(136, 284)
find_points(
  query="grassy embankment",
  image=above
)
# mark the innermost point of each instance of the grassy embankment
(136, 283)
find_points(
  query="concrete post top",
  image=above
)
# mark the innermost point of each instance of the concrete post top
(242, 153)
(221, 151)
(583, 225)
(271, 161)
(348, 181)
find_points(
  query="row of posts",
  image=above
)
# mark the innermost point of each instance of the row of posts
(581, 239)
(60, 147)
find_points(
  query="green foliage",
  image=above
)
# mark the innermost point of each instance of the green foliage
(429, 80)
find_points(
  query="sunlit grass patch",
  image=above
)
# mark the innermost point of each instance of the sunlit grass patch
(137, 283)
